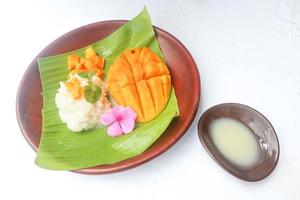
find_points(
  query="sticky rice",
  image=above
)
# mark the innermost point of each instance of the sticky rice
(78, 114)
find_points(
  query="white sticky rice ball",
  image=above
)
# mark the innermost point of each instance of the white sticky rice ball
(78, 114)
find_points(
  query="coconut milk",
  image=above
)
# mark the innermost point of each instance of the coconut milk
(235, 141)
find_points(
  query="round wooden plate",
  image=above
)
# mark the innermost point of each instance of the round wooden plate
(185, 79)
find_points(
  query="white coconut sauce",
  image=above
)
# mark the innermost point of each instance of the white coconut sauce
(235, 141)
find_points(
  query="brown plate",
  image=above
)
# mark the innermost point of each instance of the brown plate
(260, 127)
(182, 67)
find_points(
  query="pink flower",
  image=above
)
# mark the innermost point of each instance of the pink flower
(119, 120)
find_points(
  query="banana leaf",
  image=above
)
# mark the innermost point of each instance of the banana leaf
(62, 149)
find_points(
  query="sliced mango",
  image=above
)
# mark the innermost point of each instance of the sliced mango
(73, 60)
(91, 62)
(146, 99)
(140, 79)
(97, 61)
(89, 52)
(75, 88)
(156, 89)
(89, 65)
(132, 98)
(166, 83)
(117, 93)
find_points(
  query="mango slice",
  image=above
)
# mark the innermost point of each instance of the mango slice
(75, 88)
(73, 60)
(140, 79)
(91, 62)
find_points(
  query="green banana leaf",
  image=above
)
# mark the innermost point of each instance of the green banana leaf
(61, 149)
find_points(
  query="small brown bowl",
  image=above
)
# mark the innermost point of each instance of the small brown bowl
(260, 127)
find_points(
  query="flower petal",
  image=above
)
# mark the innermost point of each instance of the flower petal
(127, 125)
(115, 129)
(121, 109)
(107, 118)
(117, 110)
(129, 113)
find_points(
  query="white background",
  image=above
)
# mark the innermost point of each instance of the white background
(246, 52)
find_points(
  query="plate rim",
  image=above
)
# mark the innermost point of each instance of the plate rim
(144, 159)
